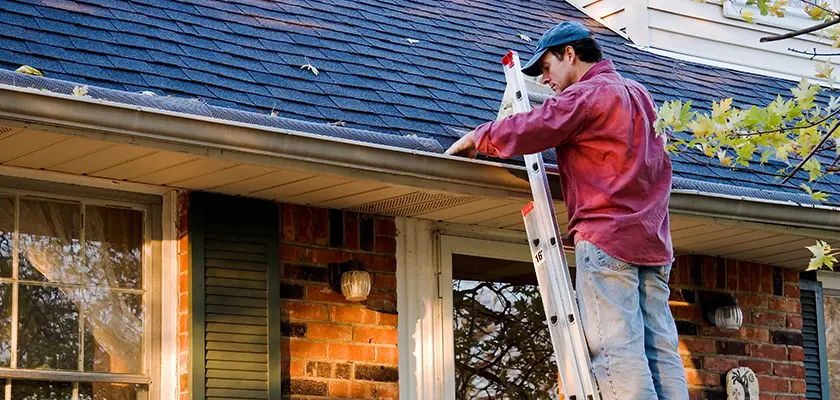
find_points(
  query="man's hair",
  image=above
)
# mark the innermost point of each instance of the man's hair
(587, 50)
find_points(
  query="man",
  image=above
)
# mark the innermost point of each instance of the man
(616, 179)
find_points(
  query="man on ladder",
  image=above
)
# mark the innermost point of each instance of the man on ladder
(616, 180)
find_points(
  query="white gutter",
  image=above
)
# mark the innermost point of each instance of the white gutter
(209, 137)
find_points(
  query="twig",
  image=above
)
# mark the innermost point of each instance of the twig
(813, 53)
(782, 130)
(816, 5)
(811, 154)
(792, 34)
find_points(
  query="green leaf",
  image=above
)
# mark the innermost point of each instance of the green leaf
(821, 256)
(719, 109)
(821, 196)
(813, 168)
(703, 126)
(748, 16)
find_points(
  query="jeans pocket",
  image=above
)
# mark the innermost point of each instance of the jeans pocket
(604, 260)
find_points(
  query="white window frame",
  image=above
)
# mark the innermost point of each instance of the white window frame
(160, 268)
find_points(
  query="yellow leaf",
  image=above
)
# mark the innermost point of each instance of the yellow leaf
(25, 69)
(822, 256)
(80, 91)
(748, 16)
(824, 69)
(719, 109)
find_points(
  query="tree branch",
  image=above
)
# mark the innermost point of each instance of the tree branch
(811, 154)
(796, 33)
(782, 130)
(813, 53)
(522, 393)
(816, 5)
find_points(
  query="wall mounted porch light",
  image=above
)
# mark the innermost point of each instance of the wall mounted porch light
(721, 310)
(351, 279)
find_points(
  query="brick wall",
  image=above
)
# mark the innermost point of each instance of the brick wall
(769, 342)
(183, 298)
(333, 348)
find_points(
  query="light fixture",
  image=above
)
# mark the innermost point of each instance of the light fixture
(351, 279)
(721, 310)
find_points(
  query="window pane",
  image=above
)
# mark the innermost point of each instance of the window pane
(37, 390)
(48, 335)
(114, 247)
(113, 332)
(7, 228)
(5, 325)
(502, 344)
(49, 241)
(112, 391)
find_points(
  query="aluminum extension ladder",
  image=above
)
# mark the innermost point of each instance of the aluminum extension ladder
(559, 300)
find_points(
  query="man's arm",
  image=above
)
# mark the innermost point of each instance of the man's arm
(557, 121)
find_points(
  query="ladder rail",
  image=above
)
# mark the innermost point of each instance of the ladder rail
(545, 242)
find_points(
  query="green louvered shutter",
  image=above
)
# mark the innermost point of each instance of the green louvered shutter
(813, 330)
(235, 287)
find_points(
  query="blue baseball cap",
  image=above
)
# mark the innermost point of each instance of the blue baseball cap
(562, 33)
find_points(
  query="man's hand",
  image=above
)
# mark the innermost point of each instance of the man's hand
(464, 147)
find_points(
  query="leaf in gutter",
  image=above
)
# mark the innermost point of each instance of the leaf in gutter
(523, 37)
(337, 123)
(25, 69)
(311, 68)
(80, 91)
(275, 113)
(748, 16)
(412, 41)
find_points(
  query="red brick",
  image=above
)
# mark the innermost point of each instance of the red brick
(796, 353)
(326, 256)
(339, 389)
(745, 273)
(386, 244)
(788, 397)
(354, 315)
(695, 393)
(791, 276)
(773, 384)
(184, 244)
(797, 386)
(755, 334)
(693, 345)
(768, 318)
(321, 224)
(766, 279)
(183, 266)
(386, 391)
(732, 275)
(748, 301)
(719, 363)
(386, 227)
(183, 362)
(792, 291)
(375, 335)
(789, 370)
(184, 383)
(764, 396)
(387, 355)
(685, 276)
(703, 378)
(794, 322)
(786, 305)
(769, 351)
(361, 390)
(687, 312)
(324, 293)
(382, 263)
(706, 330)
(297, 368)
(305, 349)
(351, 352)
(382, 300)
(758, 366)
(385, 281)
(183, 303)
(709, 272)
(291, 253)
(351, 230)
(388, 319)
(287, 220)
(304, 226)
(183, 323)
(329, 332)
(305, 311)
(184, 343)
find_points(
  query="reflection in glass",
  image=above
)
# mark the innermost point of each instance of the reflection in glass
(5, 325)
(114, 247)
(502, 343)
(7, 229)
(50, 241)
(111, 391)
(39, 390)
(48, 328)
(113, 332)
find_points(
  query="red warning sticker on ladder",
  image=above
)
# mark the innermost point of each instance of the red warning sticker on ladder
(527, 208)
(507, 60)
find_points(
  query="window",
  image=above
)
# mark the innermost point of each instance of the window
(75, 316)
(495, 335)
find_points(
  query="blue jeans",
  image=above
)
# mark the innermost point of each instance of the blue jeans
(629, 328)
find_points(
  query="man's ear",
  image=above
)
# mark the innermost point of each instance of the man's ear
(569, 54)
